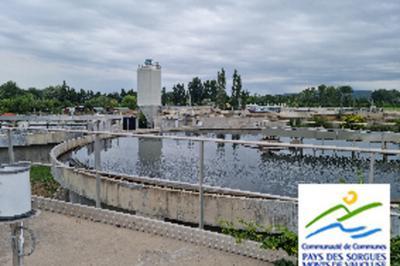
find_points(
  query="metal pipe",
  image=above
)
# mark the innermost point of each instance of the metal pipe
(16, 246)
(371, 168)
(97, 165)
(11, 157)
(201, 192)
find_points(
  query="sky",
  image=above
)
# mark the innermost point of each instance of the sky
(278, 46)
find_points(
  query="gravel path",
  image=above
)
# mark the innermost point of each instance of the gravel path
(71, 241)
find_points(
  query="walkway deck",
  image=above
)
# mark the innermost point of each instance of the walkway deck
(66, 240)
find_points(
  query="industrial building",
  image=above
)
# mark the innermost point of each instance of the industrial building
(149, 90)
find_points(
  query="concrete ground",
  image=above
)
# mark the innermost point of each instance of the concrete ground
(72, 241)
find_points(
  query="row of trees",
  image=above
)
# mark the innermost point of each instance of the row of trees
(325, 96)
(330, 96)
(54, 99)
(213, 92)
(209, 92)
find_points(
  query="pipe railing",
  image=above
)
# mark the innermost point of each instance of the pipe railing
(242, 142)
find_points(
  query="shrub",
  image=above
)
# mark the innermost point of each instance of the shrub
(354, 121)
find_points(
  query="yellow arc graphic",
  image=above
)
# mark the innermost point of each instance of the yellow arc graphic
(351, 197)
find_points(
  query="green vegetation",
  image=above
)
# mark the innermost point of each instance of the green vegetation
(53, 99)
(386, 98)
(320, 121)
(395, 251)
(354, 121)
(284, 239)
(42, 181)
(392, 109)
(129, 101)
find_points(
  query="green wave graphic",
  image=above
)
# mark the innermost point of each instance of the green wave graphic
(327, 212)
(359, 210)
(347, 216)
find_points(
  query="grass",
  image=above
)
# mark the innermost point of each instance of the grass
(391, 109)
(43, 183)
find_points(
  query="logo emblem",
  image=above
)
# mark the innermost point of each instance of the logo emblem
(343, 222)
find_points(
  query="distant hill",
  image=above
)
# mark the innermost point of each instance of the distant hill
(361, 94)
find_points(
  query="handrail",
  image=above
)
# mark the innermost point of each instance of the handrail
(245, 142)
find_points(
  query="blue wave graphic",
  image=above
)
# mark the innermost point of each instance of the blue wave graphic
(335, 225)
(368, 233)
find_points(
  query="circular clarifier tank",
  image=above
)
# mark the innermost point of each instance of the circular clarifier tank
(236, 166)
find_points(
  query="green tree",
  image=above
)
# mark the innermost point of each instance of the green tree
(163, 96)
(221, 96)
(179, 95)
(244, 96)
(210, 90)
(386, 98)
(10, 89)
(345, 95)
(236, 94)
(101, 101)
(129, 101)
(196, 91)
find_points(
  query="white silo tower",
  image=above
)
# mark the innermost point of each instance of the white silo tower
(149, 89)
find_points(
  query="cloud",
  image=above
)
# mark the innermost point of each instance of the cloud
(277, 46)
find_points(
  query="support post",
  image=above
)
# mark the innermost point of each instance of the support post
(97, 165)
(371, 168)
(323, 143)
(16, 244)
(201, 177)
(301, 149)
(384, 147)
(10, 146)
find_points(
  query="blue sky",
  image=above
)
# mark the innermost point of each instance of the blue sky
(277, 46)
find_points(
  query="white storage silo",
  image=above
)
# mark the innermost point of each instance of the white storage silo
(149, 84)
(149, 89)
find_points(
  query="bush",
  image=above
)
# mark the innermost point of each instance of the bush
(354, 121)
(284, 239)
(395, 251)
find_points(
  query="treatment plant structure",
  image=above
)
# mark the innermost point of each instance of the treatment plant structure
(149, 90)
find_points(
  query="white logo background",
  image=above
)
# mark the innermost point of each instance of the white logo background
(317, 198)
